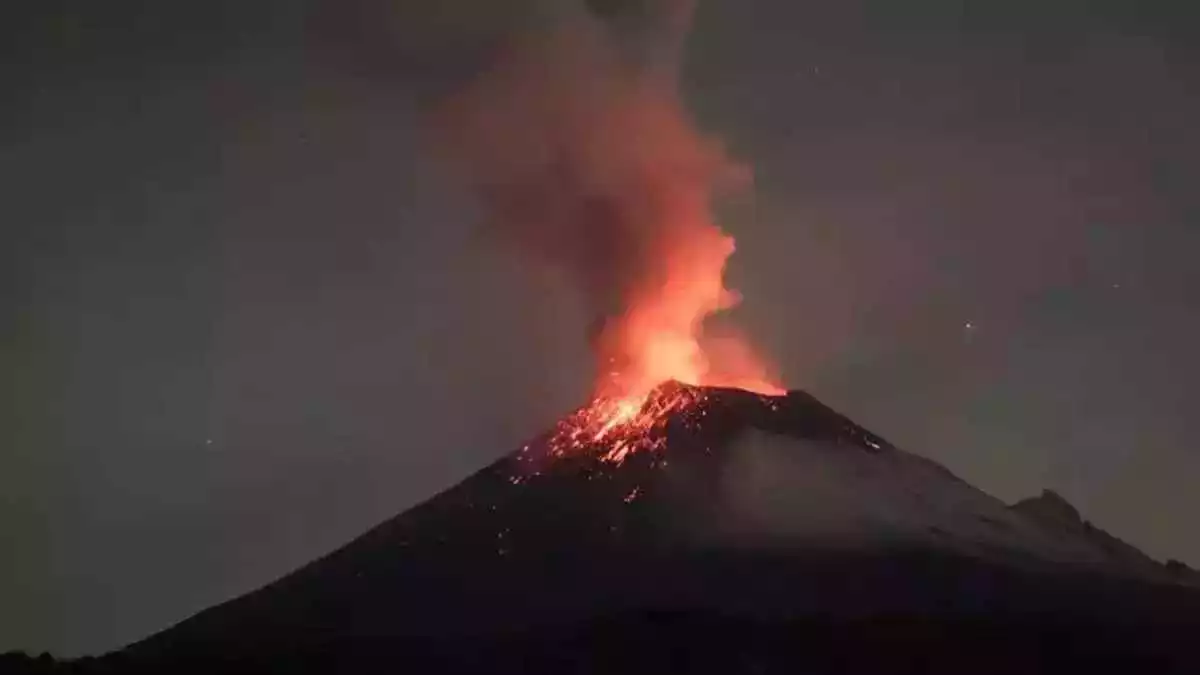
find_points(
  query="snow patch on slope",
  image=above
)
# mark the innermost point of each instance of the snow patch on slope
(778, 490)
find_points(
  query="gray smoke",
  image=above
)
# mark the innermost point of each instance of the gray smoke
(577, 145)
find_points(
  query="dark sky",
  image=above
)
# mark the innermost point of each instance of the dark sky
(246, 317)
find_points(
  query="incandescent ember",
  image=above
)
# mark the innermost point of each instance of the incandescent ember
(617, 427)
(585, 159)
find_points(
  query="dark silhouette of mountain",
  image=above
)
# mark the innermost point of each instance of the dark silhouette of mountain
(1056, 514)
(766, 534)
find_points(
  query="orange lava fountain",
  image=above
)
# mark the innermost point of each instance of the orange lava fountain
(659, 341)
(584, 157)
(659, 338)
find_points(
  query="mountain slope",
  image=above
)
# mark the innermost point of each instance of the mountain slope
(757, 513)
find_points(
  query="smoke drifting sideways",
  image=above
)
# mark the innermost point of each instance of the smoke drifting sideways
(577, 144)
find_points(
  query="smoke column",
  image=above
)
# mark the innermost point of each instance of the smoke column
(577, 144)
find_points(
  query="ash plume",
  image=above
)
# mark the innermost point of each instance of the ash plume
(578, 146)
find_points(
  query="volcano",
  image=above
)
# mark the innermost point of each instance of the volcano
(752, 533)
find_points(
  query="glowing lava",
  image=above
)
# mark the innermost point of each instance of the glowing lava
(584, 157)
(616, 427)
(660, 339)
(659, 334)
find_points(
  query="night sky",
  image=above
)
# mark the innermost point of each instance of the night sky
(247, 315)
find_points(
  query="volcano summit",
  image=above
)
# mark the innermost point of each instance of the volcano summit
(749, 533)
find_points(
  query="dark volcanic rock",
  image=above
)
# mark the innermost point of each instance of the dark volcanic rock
(1061, 518)
(1051, 508)
(770, 534)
